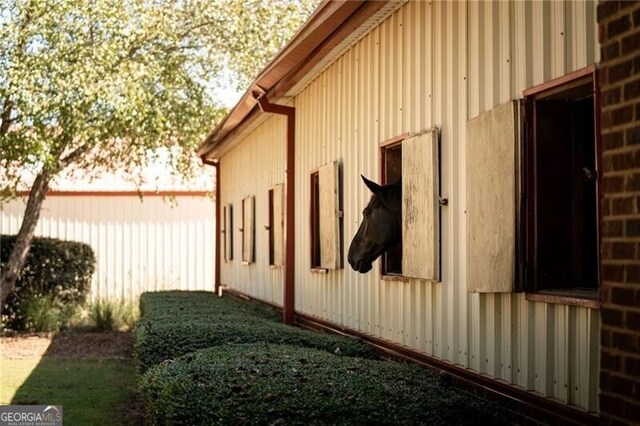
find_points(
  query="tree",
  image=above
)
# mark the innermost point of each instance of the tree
(88, 86)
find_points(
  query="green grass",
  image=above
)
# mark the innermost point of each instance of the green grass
(91, 391)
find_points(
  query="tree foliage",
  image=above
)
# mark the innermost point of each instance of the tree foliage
(93, 86)
(102, 84)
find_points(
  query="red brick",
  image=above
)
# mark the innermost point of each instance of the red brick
(632, 366)
(620, 71)
(633, 228)
(623, 296)
(610, 51)
(612, 228)
(636, 18)
(606, 9)
(621, 385)
(618, 26)
(612, 317)
(633, 274)
(624, 341)
(632, 136)
(621, 115)
(614, 273)
(606, 249)
(631, 43)
(633, 182)
(613, 184)
(632, 322)
(632, 411)
(632, 89)
(611, 404)
(610, 97)
(623, 250)
(606, 339)
(622, 205)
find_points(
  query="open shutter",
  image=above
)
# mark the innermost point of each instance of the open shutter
(228, 233)
(248, 229)
(420, 208)
(278, 224)
(329, 216)
(492, 138)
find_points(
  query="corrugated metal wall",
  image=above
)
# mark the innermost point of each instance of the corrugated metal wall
(429, 64)
(440, 64)
(139, 246)
(252, 168)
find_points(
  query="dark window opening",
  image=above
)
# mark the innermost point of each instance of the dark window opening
(561, 174)
(271, 230)
(391, 156)
(228, 230)
(315, 220)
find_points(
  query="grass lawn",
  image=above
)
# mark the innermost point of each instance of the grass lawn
(93, 390)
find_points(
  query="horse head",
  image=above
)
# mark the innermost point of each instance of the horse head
(381, 226)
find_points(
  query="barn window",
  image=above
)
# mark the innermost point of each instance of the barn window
(561, 175)
(276, 225)
(421, 206)
(532, 196)
(391, 160)
(414, 160)
(491, 198)
(248, 229)
(227, 232)
(325, 214)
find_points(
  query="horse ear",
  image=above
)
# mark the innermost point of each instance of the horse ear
(374, 187)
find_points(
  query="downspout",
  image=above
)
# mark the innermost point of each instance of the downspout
(216, 264)
(289, 236)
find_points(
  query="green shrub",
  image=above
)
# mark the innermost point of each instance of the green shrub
(175, 323)
(110, 315)
(55, 269)
(281, 384)
(156, 341)
(200, 304)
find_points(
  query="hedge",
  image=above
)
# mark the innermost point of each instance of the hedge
(57, 269)
(262, 384)
(177, 323)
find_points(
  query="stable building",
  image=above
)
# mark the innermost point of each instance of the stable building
(489, 113)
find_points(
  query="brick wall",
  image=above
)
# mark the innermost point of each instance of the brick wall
(619, 27)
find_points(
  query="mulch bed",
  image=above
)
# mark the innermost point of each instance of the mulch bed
(67, 345)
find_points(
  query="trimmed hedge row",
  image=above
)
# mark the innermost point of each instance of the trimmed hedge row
(282, 384)
(177, 323)
(56, 269)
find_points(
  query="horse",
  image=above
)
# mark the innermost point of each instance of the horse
(381, 227)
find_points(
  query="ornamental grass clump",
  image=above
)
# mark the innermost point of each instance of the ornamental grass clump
(263, 383)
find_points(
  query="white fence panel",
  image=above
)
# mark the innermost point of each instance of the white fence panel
(140, 245)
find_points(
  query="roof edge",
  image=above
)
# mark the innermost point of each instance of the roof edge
(323, 23)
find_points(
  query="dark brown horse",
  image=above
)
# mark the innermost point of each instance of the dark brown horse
(381, 227)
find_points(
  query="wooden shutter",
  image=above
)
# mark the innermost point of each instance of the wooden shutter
(420, 208)
(329, 216)
(492, 138)
(228, 233)
(248, 229)
(278, 224)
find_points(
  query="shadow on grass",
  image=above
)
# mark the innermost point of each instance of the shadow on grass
(90, 374)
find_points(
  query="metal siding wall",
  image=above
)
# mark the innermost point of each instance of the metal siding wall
(439, 64)
(252, 168)
(139, 246)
